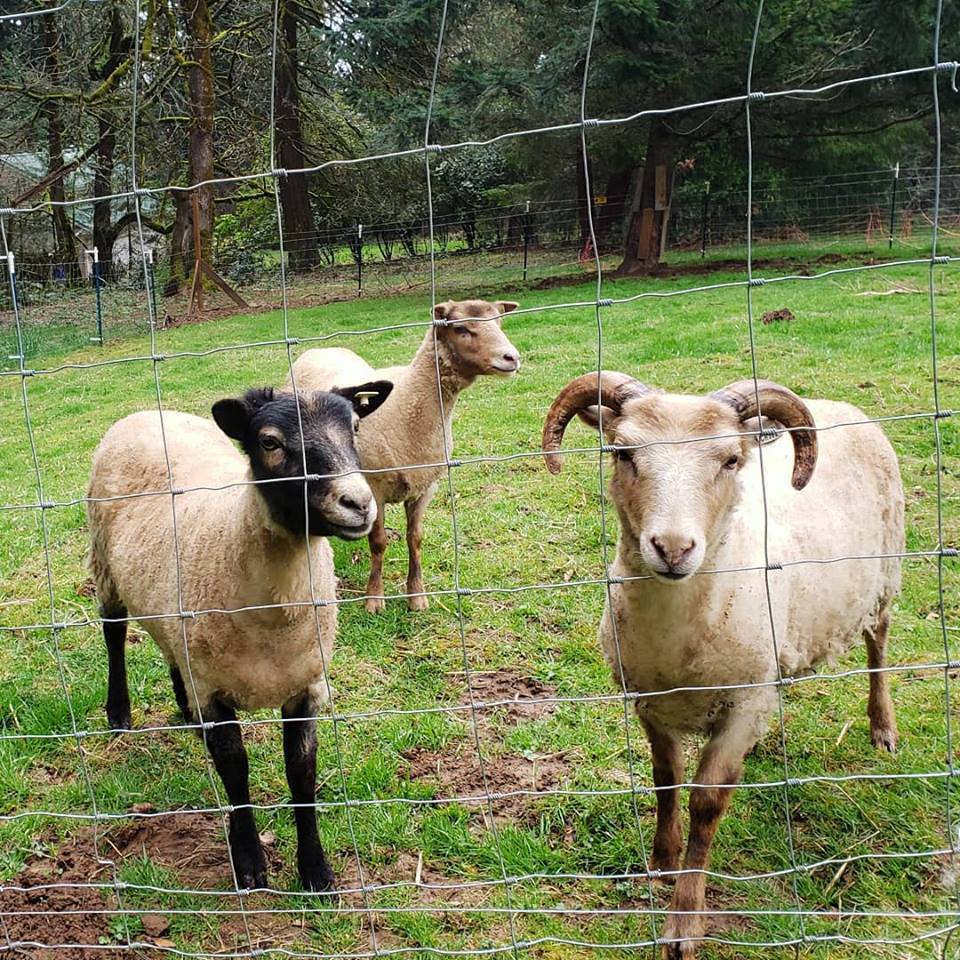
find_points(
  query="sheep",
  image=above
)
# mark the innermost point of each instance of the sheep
(686, 485)
(245, 547)
(415, 424)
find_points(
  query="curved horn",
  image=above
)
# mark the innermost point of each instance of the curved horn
(612, 390)
(786, 407)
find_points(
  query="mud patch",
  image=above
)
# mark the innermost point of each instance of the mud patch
(518, 698)
(514, 781)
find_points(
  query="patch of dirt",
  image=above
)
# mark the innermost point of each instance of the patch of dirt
(668, 270)
(775, 316)
(192, 844)
(458, 775)
(525, 695)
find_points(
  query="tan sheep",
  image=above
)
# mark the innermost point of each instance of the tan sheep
(251, 545)
(411, 426)
(686, 484)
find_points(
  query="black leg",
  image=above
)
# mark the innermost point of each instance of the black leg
(180, 692)
(225, 743)
(118, 697)
(300, 754)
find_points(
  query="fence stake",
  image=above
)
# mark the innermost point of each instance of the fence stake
(20, 355)
(526, 239)
(703, 221)
(893, 202)
(152, 283)
(359, 259)
(95, 277)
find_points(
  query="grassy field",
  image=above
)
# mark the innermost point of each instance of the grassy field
(564, 765)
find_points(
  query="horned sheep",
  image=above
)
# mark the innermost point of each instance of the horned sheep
(688, 489)
(415, 426)
(217, 568)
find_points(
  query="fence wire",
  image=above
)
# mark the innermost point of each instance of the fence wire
(362, 894)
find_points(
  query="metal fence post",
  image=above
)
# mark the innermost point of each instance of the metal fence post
(151, 284)
(526, 239)
(95, 278)
(359, 259)
(703, 221)
(893, 203)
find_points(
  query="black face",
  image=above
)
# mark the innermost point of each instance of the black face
(268, 427)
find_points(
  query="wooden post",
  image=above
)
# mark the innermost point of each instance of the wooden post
(201, 268)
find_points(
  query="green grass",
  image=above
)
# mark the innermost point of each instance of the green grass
(517, 527)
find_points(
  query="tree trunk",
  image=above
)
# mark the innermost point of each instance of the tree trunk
(200, 97)
(103, 234)
(650, 212)
(64, 248)
(300, 235)
(181, 244)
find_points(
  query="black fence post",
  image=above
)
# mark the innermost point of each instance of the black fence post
(703, 221)
(893, 203)
(359, 259)
(526, 239)
(95, 278)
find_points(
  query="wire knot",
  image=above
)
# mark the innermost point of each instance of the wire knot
(614, 578)
(7, 211)
(757, 96)
(280, 172)
(606, 302)
(434, 148)
(439, 321)
(786, 681)
(188, 615)
(158, 357)
(464, 591)
(756, 281)
(951, 67)
(943, 258)
(949, 552)
(321, 603)
(794, 782)
(454, 463)
(292, 341)
(942, 414)
(141, 192)
(774, 565)
(592, 122)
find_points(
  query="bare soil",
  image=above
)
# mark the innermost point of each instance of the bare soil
(525, 695)
(459, 775)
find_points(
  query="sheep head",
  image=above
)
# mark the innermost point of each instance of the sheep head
(279, 430)
(676, 466)
(476, 344)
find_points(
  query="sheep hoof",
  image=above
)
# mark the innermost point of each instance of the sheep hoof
(252, 876)
(374, 604)
(417, 603)
(684, 932)
(318, 878)
(884, 738)
(119, 719)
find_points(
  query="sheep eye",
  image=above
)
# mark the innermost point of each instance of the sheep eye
(269, 442)
(625, 456)
(731, 463)
(464, 332)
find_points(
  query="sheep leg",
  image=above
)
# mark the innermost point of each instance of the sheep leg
(300, 756)
(180, 692)
(118, 695)
(378, 546)
(225, 742)
(415, 511)
(667, 772)
(883, 723)
(719, 771)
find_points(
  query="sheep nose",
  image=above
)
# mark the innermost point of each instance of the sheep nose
(350, 502)
(511, 356)
(672, 551)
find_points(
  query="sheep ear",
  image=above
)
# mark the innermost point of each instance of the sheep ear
(505, 306)
(442, 310)
(366, 397)
(232, 417)
(593, 416)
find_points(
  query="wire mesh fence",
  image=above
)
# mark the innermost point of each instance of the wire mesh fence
(106, 873)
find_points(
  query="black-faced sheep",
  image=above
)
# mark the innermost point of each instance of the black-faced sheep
(415, 424)
(687, 488)
(249, 548)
